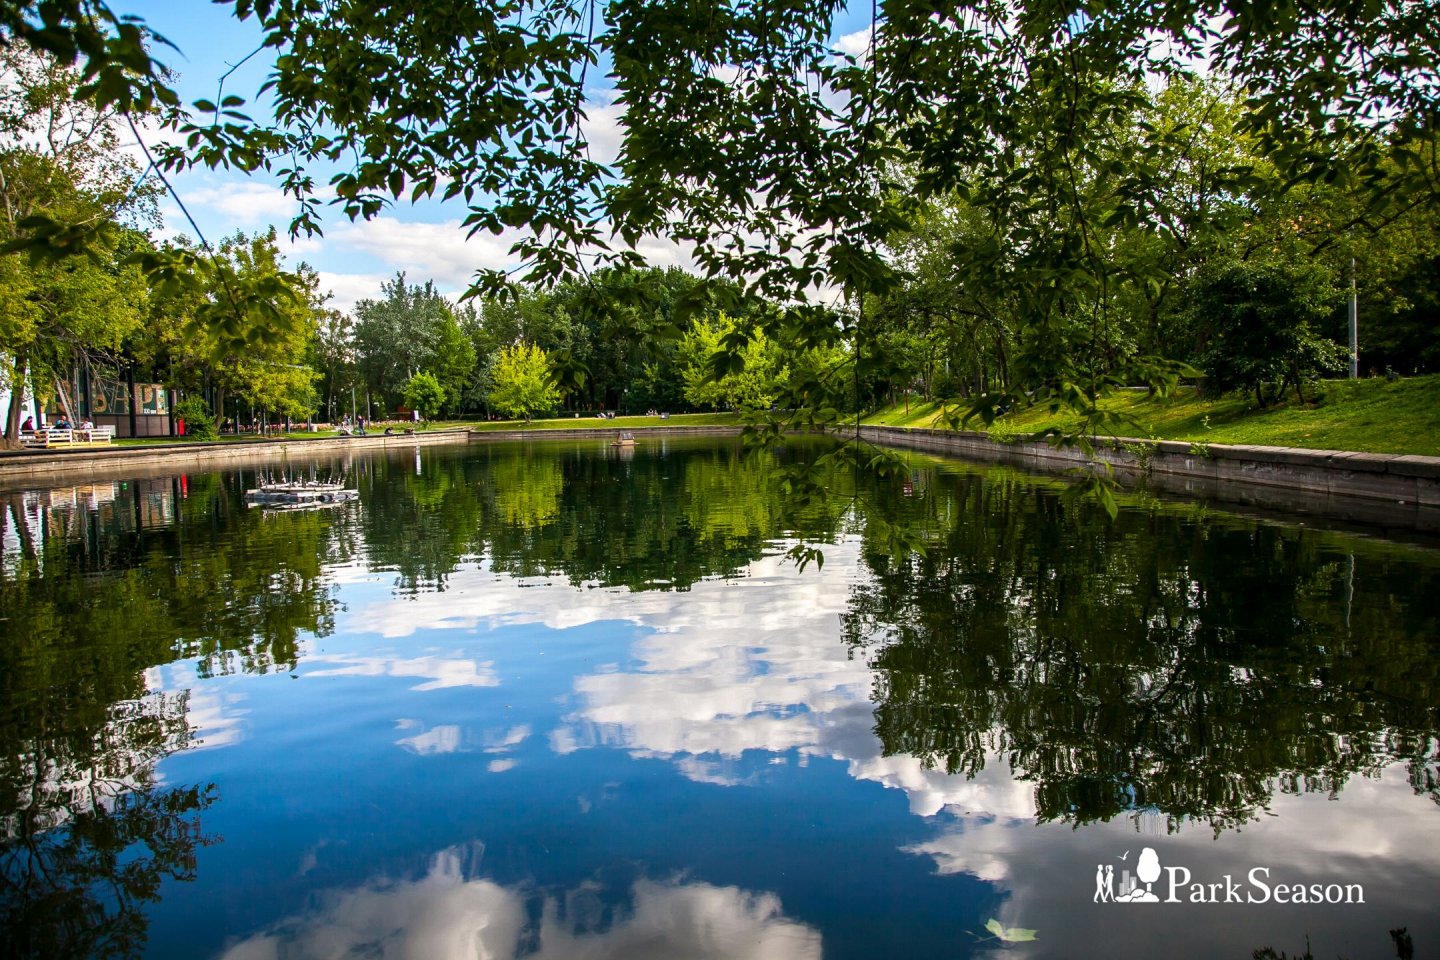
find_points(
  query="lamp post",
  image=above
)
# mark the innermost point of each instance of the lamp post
(1354, 326)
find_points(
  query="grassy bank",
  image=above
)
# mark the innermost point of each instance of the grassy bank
(1369, 416)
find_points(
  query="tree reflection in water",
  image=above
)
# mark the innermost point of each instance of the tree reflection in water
(1165, 661)
(104, 582)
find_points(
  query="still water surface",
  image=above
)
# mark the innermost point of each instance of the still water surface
(564, 701)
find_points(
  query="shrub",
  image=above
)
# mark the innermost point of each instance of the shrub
(199, 423)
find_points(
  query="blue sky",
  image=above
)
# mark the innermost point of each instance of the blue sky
(424, 240)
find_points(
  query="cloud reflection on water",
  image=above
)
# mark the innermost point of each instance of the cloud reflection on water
(729, 666)
(445, 916)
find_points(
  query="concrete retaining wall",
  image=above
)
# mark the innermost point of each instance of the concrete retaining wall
(25, 469)
(1393, 491)
(609, 433)
(1398, 491)
(28, 469)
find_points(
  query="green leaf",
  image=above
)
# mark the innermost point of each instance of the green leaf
(1009, 934)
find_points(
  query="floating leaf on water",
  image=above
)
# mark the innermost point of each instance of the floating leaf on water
(1009, 934)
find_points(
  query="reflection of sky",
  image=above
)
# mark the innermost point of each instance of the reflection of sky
(215, 713)
(747, 664)
(445, 916)
(437, 670)
(1377, 833)
(721, 734)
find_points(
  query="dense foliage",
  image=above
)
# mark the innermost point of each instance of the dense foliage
(995, 203)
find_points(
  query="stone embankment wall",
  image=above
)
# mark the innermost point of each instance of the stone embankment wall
(32, 468)
(1391, 490)
(609, 433)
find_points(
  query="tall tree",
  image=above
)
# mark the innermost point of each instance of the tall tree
(410, 328)
(332, 354)
(523, 382)
(266, 369)
(60, 160)
(782, 162)
(1259, 323)
(753, 384)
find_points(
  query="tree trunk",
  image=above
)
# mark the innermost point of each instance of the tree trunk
(17, 403)
(66, 406)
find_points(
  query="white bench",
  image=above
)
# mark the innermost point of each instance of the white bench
(94, 435)
(54, 437)
(45, 437)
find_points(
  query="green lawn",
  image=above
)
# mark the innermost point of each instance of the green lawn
(1370, 416)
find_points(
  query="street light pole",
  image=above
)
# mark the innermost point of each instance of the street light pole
(1354, 326)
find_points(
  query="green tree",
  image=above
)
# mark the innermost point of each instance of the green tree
(1259, 321)
(332, 354)
(754, 381)
(423, 392)
(199, 421)
(268, 370)
(523, 383)
(409, 329)
(1334, 91)
(776, 159)
(60, 157)
(452, 362)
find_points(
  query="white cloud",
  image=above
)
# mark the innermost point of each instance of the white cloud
(213, 712)
(444, 916)
(856, 44)
(346, 289)
(427, 251)
(244, 202)
(698, 695)
(601, 127)
(440, 672)
(504, 742)
(437, 740)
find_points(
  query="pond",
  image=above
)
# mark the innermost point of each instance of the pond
(562, 700)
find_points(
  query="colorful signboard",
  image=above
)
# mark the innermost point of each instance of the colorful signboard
(154, 399)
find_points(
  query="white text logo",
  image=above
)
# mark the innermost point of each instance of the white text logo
(1180, 886)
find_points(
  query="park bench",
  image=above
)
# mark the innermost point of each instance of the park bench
(47, 437)
(95, 435)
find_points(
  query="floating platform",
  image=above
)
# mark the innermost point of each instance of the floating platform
(299, 495)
